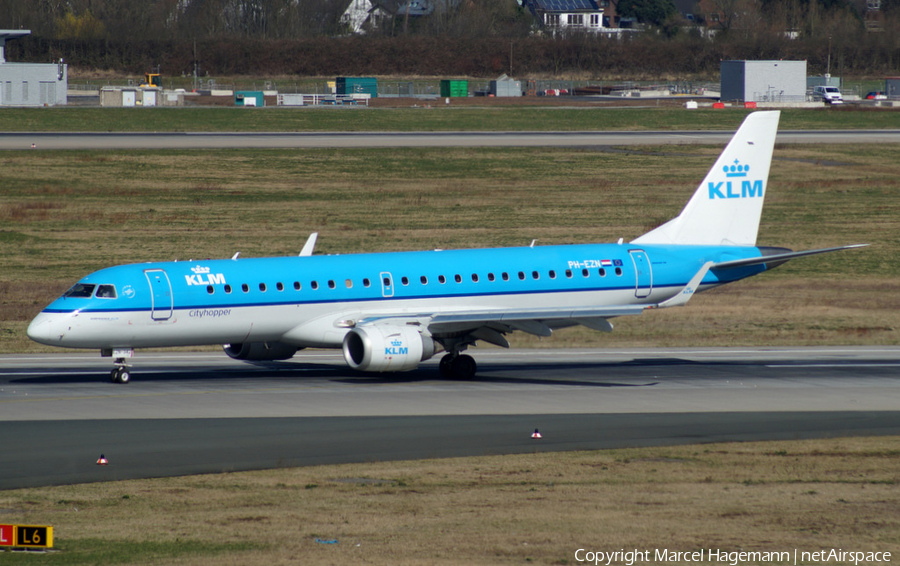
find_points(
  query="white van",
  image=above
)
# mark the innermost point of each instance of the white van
(828, 94)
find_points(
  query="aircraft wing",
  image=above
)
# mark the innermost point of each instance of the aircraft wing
(534, 321)
(490, 325)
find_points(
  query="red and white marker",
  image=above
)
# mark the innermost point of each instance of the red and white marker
(536, 434)
(102, 461)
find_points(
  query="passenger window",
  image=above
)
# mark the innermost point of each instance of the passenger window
(585, 273)
(331, 283)
(442, 279)
(535, 275)
(522, 275)
(387, 281)
(314, 285)
(228, 289)
(279, 286)
(297, 285)
(80, 291)
(602, 272)
(245, 288)
(348, 283)
(552, 274)
(457, 278)
(262, 287)
(210, 289)
(366, 282)
(404, 280)
(569, 273)
(505, 276)
(475, 277)
(106, 292)
(490, 276)
(619, 271)
(424, 280)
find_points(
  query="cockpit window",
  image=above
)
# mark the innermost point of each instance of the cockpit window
(106, 292)
(80, 291)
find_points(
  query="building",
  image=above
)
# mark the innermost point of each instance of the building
(360, 15)
(763, 81)
(594, 16)
(30, 84)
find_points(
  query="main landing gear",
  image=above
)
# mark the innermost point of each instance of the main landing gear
(121, 373)
(458, 366)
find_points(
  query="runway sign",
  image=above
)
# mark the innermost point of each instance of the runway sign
(26, 536)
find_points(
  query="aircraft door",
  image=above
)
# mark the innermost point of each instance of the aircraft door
(642, 272)
(387, 284)
(162, 301)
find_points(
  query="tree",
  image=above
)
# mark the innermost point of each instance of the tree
(646, 11)
(85, 26)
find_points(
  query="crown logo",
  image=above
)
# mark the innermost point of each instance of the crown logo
(736, 169)
(198, 270)
(396, 343)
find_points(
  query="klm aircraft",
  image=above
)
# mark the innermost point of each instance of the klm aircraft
(391, 311)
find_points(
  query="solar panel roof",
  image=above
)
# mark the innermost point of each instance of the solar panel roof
(566, 5)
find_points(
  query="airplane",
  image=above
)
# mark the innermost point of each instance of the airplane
(391, 311)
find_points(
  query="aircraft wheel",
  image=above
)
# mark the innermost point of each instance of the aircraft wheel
(464, 367)
(121, 375)
(114, 375)
(446, 367)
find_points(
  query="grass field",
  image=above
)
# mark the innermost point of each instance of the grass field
(434, 118)
(65, 214)
(524, 509)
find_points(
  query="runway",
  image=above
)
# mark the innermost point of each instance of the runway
(205, 413)
(299, 140)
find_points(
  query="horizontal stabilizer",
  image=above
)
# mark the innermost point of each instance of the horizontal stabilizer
(780, 258)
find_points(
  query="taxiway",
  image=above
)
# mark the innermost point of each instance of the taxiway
(187, 413)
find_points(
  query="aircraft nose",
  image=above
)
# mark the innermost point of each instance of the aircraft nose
(39, 329)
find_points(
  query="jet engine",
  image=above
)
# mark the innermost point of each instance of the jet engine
(387, 348)
(260, 351)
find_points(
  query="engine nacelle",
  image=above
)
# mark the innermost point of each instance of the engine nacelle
(260, 351)
(386, 348)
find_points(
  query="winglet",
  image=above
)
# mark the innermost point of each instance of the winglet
(309, 245)
(685, 295)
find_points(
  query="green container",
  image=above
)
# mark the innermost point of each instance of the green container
(249, 98)
(357, 85)
(457, 89)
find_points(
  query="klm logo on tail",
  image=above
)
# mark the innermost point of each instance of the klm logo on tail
(731, 189)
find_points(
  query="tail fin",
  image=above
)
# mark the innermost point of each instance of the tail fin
(726, 207)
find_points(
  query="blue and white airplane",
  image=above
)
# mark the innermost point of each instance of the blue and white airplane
(391, 311)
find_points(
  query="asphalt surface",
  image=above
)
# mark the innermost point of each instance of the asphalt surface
(238, 140)
(205, 413)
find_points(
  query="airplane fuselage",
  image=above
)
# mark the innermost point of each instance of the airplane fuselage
(314, 301)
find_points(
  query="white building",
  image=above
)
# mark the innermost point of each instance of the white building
(763, 81)
(30, 84)
(570, 15)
